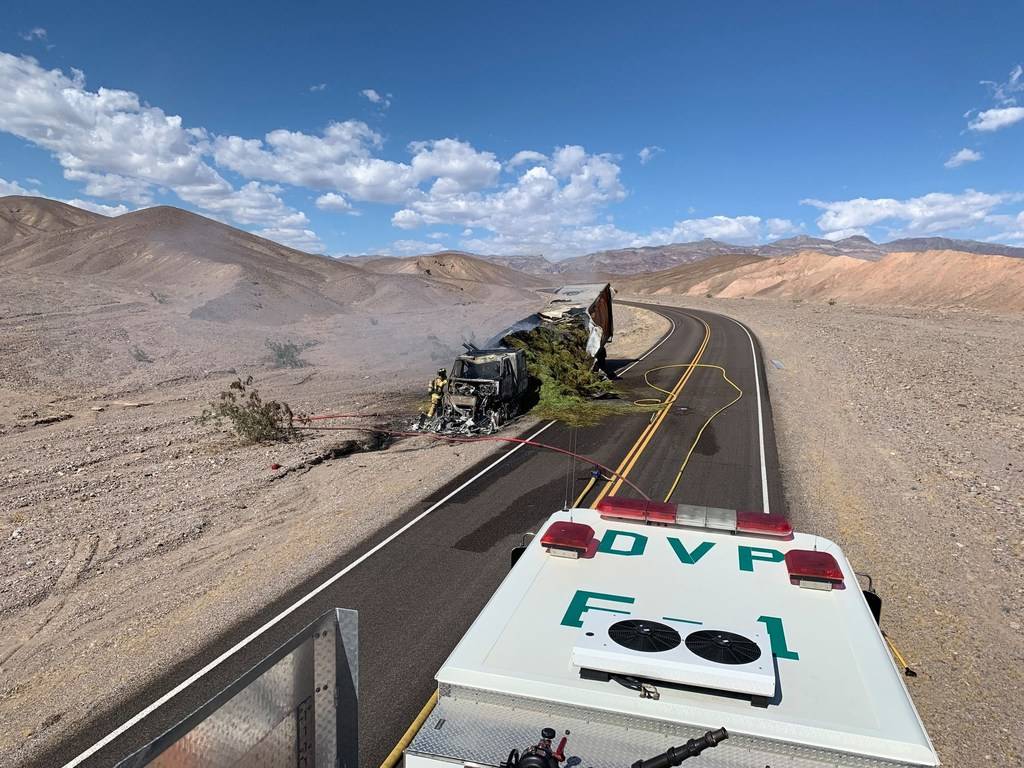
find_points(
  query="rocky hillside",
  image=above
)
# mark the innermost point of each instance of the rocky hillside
(216, 272)
(923, 279)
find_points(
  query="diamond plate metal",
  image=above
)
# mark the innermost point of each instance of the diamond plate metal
(482, 727)
(295, 709)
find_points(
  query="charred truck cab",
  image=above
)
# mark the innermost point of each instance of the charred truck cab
(486, 388)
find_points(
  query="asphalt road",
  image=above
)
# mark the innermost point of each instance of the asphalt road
(417, 595)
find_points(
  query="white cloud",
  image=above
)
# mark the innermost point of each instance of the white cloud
(36, 33)
(318, 87)
(739, 230)
(413, 247)
(375, 97)
(332, 201)
(12, 188)
(438, 235)
(105, 210)
(963, 157)
(294, 237)
(455, 164)
(112, 186)
(1003, 93)
(782, 228)
(928, 214)
(339, 159)
(842, 234)
(994, 119)
(527, 156)
(649, 153)
(122, 148)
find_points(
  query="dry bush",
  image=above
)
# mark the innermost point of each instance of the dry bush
(251, 418)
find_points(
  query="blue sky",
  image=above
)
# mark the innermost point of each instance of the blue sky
(522, 128)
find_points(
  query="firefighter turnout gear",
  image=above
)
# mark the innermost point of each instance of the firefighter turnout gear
(437, 391)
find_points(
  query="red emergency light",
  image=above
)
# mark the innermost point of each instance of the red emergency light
(763, 524)
(637, 509)
(567, 539)
(813, 569)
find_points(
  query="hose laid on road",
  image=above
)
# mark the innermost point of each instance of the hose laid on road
(669, 399)
(689, 453)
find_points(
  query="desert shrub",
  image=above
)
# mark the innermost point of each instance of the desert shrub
(286, 354)
(831, 302)
(140, 355)
(251, 418)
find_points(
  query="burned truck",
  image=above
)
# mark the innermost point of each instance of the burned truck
(488, 386)
(485, 389)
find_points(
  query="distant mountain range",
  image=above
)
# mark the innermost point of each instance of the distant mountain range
(631, 261)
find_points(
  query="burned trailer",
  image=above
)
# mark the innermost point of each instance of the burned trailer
(485, 389)
(589, 305)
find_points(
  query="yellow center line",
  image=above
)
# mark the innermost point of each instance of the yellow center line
(612, 487)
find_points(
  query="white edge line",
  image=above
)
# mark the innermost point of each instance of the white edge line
(760, 417)
(287, 611)
(649, 351)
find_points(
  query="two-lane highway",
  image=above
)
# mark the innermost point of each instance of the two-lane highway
(421, 581)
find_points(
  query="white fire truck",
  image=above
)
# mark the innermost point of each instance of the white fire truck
(635, 634)
(625, 630)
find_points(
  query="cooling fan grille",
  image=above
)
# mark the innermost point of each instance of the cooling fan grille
(723, 647)
(645, 636)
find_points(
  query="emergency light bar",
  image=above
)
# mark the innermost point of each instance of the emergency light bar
(693, 516)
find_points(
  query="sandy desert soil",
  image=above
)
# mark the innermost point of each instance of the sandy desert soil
(901, 436)
(125, 523)
(635, 331)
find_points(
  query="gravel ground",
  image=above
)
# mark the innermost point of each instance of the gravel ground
(901, 437)
(130, 534)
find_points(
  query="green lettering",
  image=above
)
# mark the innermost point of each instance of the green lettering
(607, 544)
(686, 557)
(580, 605)
(749, 554)
(778, 637)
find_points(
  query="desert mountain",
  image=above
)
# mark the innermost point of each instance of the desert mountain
(218, 272)
(924, 278)
(23, 217)
(632, 261)
(455, 267)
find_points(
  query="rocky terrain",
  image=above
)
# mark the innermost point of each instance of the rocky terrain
(901, 436)
(632, 261)
(922, 279)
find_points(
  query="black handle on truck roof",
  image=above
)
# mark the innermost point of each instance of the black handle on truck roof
(675, 755)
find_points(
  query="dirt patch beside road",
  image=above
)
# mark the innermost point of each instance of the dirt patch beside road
(636, 331)
(901, 437)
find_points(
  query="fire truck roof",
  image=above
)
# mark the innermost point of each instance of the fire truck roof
(742, 620)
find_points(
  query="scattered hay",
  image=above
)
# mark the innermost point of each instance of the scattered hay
(567, 384)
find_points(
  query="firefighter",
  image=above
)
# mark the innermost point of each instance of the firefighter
(436, 393)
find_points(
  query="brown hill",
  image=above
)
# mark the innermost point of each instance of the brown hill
(455, 266)
(682, 278)
(924, 279)
(22, 217)
(220, 273)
